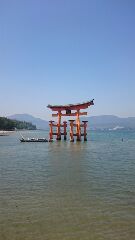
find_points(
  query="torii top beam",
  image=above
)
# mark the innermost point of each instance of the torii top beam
(77, 106)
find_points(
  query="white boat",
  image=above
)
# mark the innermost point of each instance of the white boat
(33, 140)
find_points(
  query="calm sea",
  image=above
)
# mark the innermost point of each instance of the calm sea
(68, 191)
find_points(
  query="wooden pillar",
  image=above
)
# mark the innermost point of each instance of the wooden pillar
(78, 128)
(65, 132)
(58, 126)
(85, 132)
(51, 131)
(71, 130)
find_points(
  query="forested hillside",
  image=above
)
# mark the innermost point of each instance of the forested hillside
(8, 124)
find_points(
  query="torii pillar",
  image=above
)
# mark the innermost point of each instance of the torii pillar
(58, 126)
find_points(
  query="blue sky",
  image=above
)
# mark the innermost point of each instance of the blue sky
(67, 51)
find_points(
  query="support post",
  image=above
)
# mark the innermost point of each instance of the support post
(78, 128)
(71, 130)
(58, 126)
(85, 132)
(51, 131)
(65, 132)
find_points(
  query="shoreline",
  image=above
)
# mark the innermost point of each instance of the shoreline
(6, 132)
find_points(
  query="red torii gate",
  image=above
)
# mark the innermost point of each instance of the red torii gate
(68, 112)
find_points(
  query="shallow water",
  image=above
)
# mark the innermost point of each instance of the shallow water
(68, 191)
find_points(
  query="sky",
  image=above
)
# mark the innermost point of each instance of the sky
(67, 51)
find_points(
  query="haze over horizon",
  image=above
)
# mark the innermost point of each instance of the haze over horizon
(94, 122)
(60, 52)
(24, 116)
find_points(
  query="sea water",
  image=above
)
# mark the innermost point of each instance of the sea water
(68, 191)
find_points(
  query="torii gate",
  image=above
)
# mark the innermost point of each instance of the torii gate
(68, 112)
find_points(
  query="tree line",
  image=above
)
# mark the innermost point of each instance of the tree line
(8, 124)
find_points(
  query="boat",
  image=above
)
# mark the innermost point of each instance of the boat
(33, 140)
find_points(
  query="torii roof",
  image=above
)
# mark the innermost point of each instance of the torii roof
(76, 106)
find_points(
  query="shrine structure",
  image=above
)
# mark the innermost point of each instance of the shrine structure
(69, 110)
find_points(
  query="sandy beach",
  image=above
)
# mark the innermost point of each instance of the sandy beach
(5, 133)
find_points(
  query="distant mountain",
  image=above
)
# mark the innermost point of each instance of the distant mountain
(110, 122)
(40, 123)
(95, 122)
